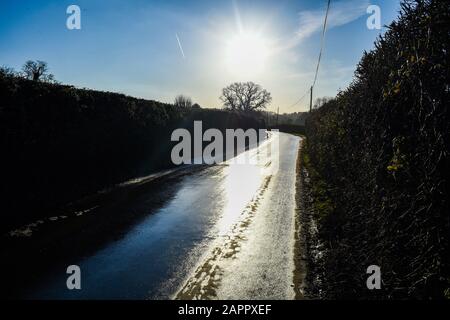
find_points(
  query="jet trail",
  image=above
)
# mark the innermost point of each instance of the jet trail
(179, 45)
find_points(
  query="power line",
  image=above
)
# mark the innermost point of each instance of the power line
(299, 100)
(322, 41)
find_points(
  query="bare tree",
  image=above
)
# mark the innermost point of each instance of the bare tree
(183, 101)
(7, 71)
(37, 71)
(320, 102)
(245, 96)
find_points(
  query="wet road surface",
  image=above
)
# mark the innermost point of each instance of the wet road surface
(227, 232)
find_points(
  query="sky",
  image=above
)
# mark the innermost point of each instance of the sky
(159, 49)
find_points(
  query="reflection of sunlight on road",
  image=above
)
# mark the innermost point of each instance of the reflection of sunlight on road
(255, 227)
(243, 176)
(240, 185)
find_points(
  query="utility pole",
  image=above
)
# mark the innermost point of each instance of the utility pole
(278, 112)
(310, 99)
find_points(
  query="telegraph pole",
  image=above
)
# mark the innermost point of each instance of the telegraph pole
(278, 112)
(310, 99)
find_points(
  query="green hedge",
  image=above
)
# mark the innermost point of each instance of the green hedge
(382, 146)
(59, 143)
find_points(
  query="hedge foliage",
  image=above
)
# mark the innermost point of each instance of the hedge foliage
(59, 143)
(382, 147)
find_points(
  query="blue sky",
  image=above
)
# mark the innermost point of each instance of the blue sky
(131, 46)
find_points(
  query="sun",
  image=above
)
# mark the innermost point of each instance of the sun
(246, 54)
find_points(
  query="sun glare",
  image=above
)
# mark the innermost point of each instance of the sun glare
(246, 54)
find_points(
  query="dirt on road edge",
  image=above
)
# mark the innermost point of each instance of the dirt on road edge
(307, 248)
(300, 244)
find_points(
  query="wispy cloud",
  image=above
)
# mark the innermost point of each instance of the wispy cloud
(341, 13)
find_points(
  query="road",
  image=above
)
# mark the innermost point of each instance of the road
(226, 232)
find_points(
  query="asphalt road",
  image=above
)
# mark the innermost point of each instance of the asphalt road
(226, 232)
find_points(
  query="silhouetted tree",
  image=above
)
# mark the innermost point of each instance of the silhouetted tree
(245, 96)
(321, 101)
(7, 71)
(183, 101)
(37, 71)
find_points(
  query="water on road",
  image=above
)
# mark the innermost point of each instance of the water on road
(226, 233)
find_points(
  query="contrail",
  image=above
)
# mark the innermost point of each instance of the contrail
(179, 45)
(237, 17)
